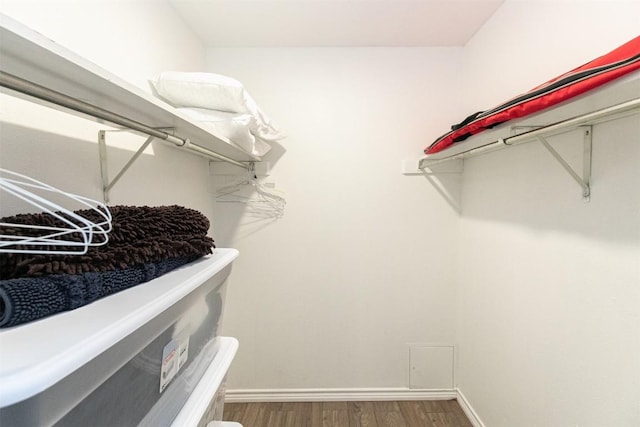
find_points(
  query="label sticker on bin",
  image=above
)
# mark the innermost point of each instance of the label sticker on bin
(174, 356)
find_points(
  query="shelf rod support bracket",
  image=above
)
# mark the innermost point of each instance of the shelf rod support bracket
(583, 181)
(104, 167)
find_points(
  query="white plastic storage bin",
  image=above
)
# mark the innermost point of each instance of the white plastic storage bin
(113, 361)
(206, 404)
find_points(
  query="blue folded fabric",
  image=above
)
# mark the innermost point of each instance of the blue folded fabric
(31, 298)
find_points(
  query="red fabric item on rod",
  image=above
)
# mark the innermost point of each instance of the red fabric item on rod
(623, 60)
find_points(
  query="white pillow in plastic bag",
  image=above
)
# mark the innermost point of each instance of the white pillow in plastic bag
(233, 126)
(214, 92)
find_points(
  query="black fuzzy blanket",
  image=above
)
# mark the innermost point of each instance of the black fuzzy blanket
(140, 235)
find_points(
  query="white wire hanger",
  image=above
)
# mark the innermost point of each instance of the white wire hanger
(73, 235)
(260, 201)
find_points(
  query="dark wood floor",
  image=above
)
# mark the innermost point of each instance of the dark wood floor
(427, 413)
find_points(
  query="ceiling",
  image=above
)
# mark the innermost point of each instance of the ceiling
(328, 23)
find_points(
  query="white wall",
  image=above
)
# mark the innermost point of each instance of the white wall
(549, 286)
(329, 295)
(134, 40)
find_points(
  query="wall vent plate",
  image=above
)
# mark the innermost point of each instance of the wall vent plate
(431, 366)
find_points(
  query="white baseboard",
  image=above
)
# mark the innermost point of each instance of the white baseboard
(332, 395)
(468, 409)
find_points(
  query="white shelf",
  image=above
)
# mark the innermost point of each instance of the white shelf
(31, 56)
(613, 93)
(611, 101)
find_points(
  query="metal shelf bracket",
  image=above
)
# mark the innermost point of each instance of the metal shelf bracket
(583, 181)
(104, 165)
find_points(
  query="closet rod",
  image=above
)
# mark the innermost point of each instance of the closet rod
(32, 89)
(611, 112)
